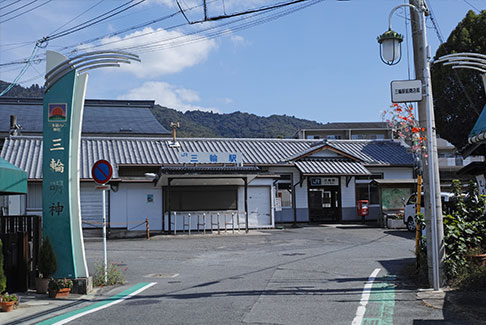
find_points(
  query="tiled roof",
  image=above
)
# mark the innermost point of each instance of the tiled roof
(337, 167)
(375, 152)
(100, 116)
(25, 152)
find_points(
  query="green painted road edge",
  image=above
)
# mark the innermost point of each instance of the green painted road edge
(112, 300)
(381, 304)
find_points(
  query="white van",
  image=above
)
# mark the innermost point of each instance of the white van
(411, 208)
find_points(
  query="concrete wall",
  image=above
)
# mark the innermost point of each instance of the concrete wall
(287, 214)
(130, 206)
(348, 200)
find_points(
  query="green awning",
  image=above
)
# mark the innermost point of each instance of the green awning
(13, 180)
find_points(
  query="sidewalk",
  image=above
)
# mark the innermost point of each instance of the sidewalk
(467, 305)
(35, 307)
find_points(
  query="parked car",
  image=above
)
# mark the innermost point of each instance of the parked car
(410, 210)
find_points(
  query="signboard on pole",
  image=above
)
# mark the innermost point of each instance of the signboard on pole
(102, 171)
(404, 91)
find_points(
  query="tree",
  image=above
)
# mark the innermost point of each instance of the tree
(459, 96)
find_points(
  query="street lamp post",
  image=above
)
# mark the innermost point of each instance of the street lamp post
(389, 44)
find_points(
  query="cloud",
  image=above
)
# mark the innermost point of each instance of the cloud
(238, 40)
(168, 95)
(160, 51)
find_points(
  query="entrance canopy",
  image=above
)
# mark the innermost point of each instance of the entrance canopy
(13, 180)
(331, 167)
(206, 175)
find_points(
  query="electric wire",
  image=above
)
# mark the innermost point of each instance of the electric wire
(70, 21)
(454, 72)
(6, 6)
(93, 21)
(27, 11)
(475, 8)
(165, 44)
(17, 9)
(21, 73)
(149, 47)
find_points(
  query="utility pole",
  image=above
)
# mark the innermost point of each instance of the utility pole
(422, 72)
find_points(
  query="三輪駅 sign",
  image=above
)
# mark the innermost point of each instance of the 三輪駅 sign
(404, 91)
(211, 157)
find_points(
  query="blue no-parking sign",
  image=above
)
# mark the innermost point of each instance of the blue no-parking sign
(102, 171)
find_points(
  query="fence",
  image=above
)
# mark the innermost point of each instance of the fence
(21, 237)
(215, 222)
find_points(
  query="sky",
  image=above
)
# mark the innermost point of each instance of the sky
(320, 62)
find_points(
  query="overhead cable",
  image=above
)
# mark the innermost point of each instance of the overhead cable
(27, 11)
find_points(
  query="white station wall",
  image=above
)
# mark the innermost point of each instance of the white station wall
(133, 203)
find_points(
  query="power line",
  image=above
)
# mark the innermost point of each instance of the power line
(475, 8)
(6, 6)
(93, 21)
(21, 73)
(70, 21)
(27, 11)
(16, 9)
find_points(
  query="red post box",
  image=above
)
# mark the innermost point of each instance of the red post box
(363, 209)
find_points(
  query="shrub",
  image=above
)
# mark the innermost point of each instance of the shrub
(7, 297)
(47, 259)
(3, 278)
(113, 274)
(56, 284)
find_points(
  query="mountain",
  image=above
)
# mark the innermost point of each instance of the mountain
(206, 124)
(19, 91)
(234, 125)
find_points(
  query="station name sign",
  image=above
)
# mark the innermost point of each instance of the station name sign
(211, 157)
(323, 181)
(404, 91)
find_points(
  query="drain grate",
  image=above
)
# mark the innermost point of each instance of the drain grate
(162, 275)
(293, 254)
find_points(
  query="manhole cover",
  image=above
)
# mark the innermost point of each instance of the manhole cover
(293, 254)
(136, 302)
(162, 275)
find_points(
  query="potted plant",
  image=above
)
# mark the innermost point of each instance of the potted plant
(59, 287)
(47, 265)
(8, 302)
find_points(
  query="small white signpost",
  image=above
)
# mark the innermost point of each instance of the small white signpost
(404, 91)
(101, 173)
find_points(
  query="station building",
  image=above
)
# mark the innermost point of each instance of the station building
(254, 183)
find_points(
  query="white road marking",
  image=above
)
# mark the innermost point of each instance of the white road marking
(67, 320)
(365, 296)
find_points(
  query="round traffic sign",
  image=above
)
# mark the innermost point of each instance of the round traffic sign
(102, 171)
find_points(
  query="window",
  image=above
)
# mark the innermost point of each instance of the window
(284, 190)
(203, 198)
(367, 192)
(333, 137)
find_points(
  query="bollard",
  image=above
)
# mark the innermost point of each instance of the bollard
(148, 230)
(233, 222)
(175, 224)
(219, 229)
(238, 220)
(204, 223)
(189, 222)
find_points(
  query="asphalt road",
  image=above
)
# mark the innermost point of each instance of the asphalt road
(309, 275)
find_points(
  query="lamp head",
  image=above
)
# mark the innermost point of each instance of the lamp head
(390, 45)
